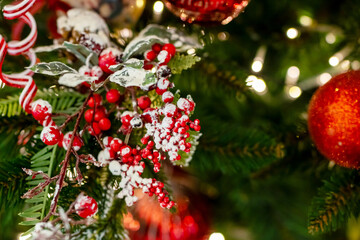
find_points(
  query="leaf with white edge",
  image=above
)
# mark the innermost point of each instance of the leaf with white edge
(74, 79)
(140, 44)
(181, 41)
(182, 62)
(49, 48)
(132, 62)
(81, 52)
(133, 77)
(150, 80)
(52, 68)
(187, 157)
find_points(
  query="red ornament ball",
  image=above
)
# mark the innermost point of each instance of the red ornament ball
(334, 119)
(206, 11)
(50, 135)
(86, 207)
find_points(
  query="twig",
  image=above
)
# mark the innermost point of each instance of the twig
(133, 99)
(68, 120)
(79, 176)
(40, 187)
(60, 181)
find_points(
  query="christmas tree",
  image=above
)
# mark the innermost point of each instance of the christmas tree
(110, 146)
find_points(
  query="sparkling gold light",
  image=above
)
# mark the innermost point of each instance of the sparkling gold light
(324, 78)
(293, 72)
(257, 65)
(334, 61)
(330, 38)
(305, 21)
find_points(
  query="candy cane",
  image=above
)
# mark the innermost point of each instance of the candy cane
(23, 79)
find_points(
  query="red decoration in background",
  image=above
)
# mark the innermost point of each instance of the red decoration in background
(334, 119)
(206, 11)
(149, 221)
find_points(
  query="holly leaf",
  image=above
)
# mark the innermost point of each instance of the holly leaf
(52, 68)
(132, 62)
(182, 62)
(81, 52)
(140, 44)
(187, 157)
(74, 79)
(181, 41)
(133, 77)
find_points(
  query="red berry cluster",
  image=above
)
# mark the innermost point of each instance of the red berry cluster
(159, 54)
(157, 189)
(96, 116)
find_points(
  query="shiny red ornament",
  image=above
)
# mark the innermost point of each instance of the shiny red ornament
(334, 119)
(207, 11)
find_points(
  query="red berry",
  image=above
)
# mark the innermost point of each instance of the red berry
(107, 141)
(116, 144)
(164, 57)
(105, 124)
(112, 96)
(160, 91)
(96, 128)
(143, 102)
(50, 135)
(109, 57)
(95, 99)
(89, 115)
(125, 151)
(167, 97)
(77, 143)
(99, 114)
(150, 55)
(170, 48)
(86, 206)
(197, 128)
(156, 47)
(148, 66)
(41, 109)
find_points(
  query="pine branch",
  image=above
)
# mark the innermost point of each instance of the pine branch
(337, 200)
(60, 101)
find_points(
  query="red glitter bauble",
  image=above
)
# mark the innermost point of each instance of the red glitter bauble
(206, 11)
(334, 119)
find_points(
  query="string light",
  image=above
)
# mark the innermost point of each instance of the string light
(158, 7)
(216, 236)
(334, 61)
(257, 84)
(257, 66)
(355, 65)
(324, 78)
(305, 21)
(345, 65)
(191, 51)
(292, 33)
(293, 72)
(294, 92)
(258, 62)
(330, 38)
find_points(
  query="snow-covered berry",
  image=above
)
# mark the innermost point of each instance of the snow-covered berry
(167, 97)
(109, 57)
(115, 168)
(86, 206)
(77, 143)
(50, 135)
(41, 109)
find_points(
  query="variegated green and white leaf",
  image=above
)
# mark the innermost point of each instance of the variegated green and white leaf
(74, 79)
(52, 68)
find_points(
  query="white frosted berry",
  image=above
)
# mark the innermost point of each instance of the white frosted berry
(136, 122)
(167, 97)
(115, 168)
(41, 109)
(50, 135)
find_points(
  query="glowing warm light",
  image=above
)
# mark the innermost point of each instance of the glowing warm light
(250, 79)
(334, 61)
(140, 3)
(216, 236)
(305, 21)
(330, 38)
(294, 92)
(355, 65)
(158, 7)
(191, 51)
(223, 36)
(292, 33)
(257, 65)
(259, 85)
(293, 72)
(324, 78)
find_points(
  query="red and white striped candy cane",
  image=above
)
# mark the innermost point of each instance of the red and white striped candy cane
(23, 79)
